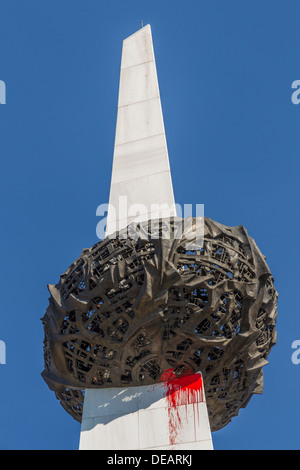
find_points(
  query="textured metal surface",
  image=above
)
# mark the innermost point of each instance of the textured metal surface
(127, 311)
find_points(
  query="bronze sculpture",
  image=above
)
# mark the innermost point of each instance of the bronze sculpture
(129, 310)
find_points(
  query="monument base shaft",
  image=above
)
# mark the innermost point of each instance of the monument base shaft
(170, 415)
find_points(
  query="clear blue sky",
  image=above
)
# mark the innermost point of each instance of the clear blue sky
(225, 70)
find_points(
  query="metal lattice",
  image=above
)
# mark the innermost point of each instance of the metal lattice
(128, 310)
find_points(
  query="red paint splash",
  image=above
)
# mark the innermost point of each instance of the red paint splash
(186, 390)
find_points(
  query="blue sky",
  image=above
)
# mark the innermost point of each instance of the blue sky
(225, 72)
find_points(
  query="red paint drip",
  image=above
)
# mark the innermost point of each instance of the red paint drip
(186, 390)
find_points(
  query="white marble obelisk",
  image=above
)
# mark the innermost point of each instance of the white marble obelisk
(172, 414)
(141, 177)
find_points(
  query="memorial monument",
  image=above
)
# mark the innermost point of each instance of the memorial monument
(152, 342)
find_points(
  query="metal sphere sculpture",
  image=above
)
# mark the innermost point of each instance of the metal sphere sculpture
(127, 311)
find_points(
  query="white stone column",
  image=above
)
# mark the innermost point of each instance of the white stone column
(172, 414)
(141, 170)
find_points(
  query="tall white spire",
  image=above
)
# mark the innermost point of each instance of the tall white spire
(143, 417)
(141, 170)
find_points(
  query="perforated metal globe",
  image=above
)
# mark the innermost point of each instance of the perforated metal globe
(127, 311)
